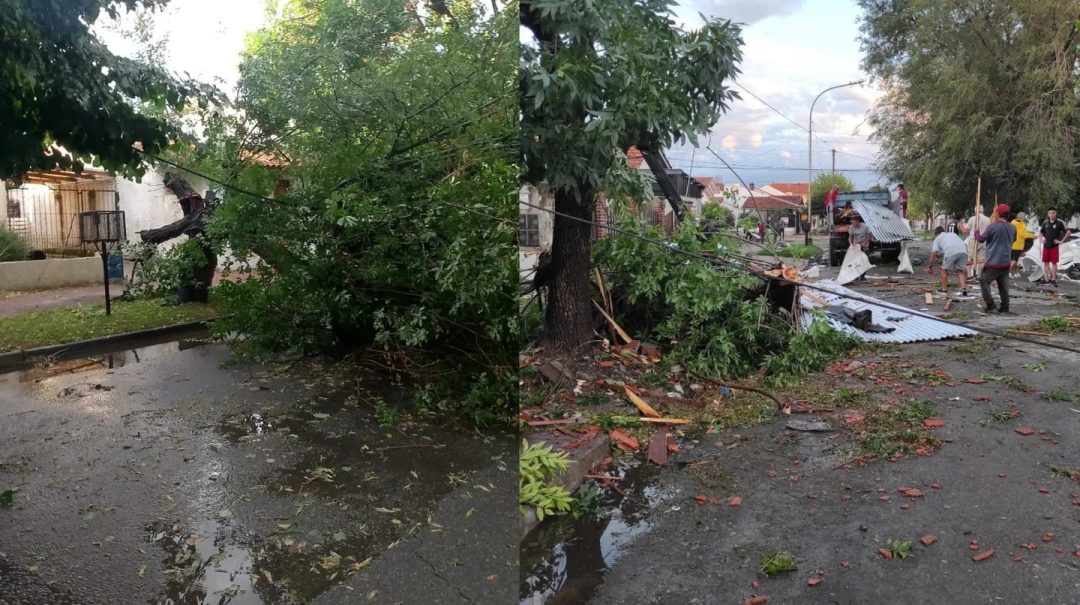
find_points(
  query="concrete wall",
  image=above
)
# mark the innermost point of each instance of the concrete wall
(19, 276)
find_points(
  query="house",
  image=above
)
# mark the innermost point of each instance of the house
(44, 210)
(536, 221)
(800, 189)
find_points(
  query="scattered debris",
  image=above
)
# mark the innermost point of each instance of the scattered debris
(658, 448)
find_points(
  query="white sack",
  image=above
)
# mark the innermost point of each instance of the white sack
(905, 260)
(855, 264)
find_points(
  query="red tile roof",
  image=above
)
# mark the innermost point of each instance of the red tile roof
(773, 202)
(713, 188)
(791, 188)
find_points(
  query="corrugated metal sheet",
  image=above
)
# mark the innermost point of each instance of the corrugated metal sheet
(910, 326)
(886, 226)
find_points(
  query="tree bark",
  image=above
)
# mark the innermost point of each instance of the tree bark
(196, 211)
(192, 224)
(568, 322)
(659, 170)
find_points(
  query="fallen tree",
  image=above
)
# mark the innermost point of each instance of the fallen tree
(197, 211)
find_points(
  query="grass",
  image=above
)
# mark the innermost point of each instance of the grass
(777, 562)
(897, 432)
(899, 549)
(1010, 381)
(72, 324)
(1057, 323)
(1058, 394)
(974, 345)
(1066, 472)
(800, 251)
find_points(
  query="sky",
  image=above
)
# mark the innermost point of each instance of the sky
(205, 37)
(793, 50)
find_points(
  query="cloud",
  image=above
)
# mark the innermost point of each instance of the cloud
(728, 142)
(785, 154)
(741, 11)
(755, 140)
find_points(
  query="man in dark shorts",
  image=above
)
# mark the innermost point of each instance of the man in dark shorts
(999, 236)
(1052, 233)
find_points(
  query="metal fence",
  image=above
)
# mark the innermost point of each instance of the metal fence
(46, 219)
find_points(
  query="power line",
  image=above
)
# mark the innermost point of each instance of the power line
(809, 286)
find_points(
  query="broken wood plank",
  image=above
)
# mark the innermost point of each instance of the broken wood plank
(665, 420)
(929, 298)
(641, 405)
(622, 333)
(1028, 332)
(557, 421)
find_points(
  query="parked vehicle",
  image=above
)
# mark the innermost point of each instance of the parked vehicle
(887, 227)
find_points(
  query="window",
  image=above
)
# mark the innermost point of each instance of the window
(14, 206)
(529, 230)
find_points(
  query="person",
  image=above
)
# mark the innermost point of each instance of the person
(761, 231)
(830, 201)
(1020, 225)
(999, 236)
(901, 195)
(859, 235)
(1052, 234)
(953, 258)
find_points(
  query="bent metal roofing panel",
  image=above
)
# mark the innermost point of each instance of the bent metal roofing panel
(886, 226)
(910, 326)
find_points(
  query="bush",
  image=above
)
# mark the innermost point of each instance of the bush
(723, 217)
(717, 316)
(162, 273)
(11, 247)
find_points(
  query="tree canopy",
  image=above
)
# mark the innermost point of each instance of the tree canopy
(597, 78)
(396, 131)
(972, 89)
(823, 182)
(63, 87)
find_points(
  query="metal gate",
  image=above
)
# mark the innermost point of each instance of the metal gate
(46, 219)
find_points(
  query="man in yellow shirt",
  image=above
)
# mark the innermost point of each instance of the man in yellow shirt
(1018, 245)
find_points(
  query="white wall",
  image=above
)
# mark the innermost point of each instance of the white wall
(149, 205)
(527, 256)
(21, 276)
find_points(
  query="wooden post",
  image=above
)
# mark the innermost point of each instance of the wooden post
(978, 213)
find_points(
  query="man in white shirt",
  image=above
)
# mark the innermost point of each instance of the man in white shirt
(954, 257)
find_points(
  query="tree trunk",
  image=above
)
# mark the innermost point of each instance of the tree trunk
(659, 170)
(196, 211)
(568, 323)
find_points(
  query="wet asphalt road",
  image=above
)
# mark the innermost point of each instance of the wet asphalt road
(183, 475)
(994, 487)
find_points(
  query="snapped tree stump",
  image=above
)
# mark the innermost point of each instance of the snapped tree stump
(197, 209)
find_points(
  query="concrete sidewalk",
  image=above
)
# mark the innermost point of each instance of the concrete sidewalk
(16, 303)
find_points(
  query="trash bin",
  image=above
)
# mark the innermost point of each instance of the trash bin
(116, 266)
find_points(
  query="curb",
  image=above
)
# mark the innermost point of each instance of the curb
(86, 347)
(581, 461)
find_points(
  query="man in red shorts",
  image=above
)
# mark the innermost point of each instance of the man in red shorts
(1052, 234)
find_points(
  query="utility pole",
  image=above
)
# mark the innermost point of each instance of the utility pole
(834, 164)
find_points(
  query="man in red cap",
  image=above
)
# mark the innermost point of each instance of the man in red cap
(999, 236)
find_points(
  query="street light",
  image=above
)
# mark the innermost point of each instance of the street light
(810, 153)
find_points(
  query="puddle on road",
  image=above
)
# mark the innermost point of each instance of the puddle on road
(563, 561)
(43, 368)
